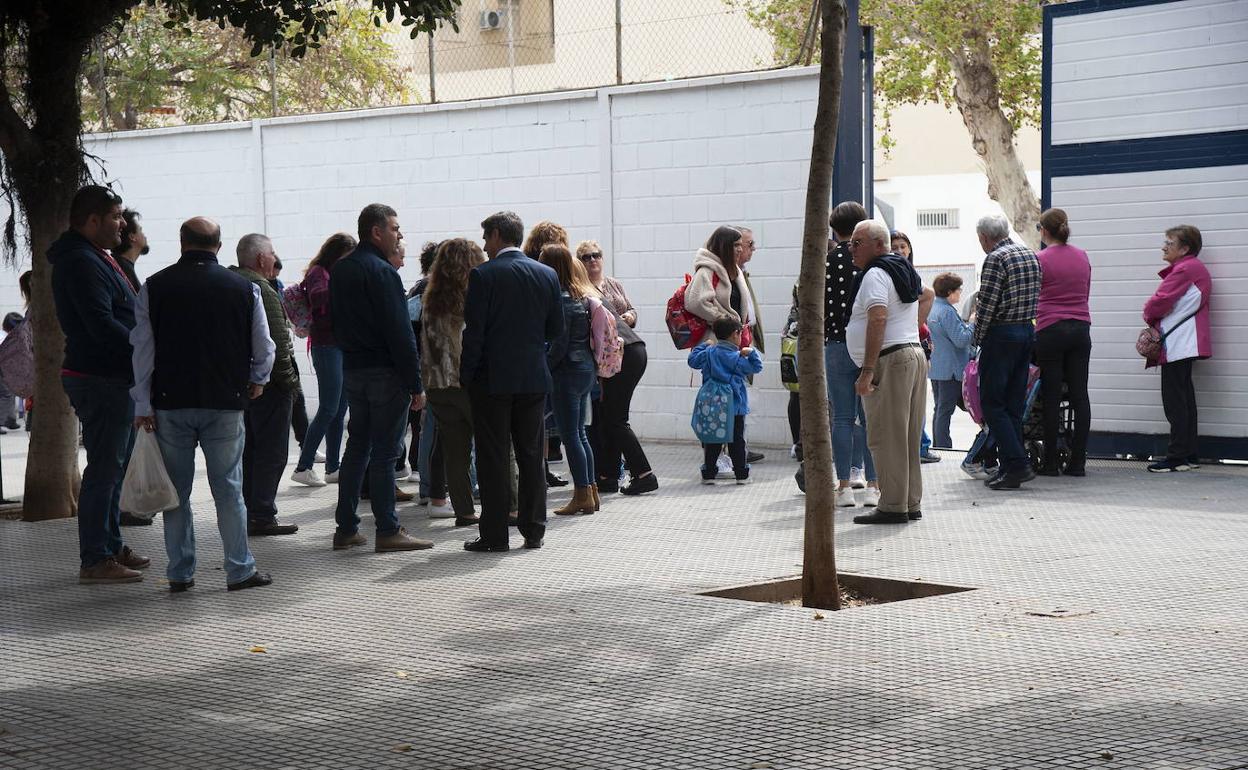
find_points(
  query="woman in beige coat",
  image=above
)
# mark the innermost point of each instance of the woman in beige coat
(718, 287)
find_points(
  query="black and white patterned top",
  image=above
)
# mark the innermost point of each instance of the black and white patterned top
(838, 291)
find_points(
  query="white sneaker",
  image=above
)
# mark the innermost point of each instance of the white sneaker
(857, 478)
(402, 472)
(331, 478)
(320, 457)
(871, 497)
(308, 478)
(974, 470)
(845, 498)
(412, 477)
(444, 511)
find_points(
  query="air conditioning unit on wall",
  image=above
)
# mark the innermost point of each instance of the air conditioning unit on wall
(493, 20)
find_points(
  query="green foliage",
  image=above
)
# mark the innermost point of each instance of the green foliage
(916, 42)
(161, 66)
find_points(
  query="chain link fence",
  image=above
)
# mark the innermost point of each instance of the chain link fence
(506, 47)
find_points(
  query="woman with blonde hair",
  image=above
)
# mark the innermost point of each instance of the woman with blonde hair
(441, 339)
(573, 370)
(540, 235)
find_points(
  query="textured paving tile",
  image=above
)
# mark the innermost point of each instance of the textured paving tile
(596, 652)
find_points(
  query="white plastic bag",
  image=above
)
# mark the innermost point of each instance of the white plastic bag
(147, 489)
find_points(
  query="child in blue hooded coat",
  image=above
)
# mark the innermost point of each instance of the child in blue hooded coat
(727, 362)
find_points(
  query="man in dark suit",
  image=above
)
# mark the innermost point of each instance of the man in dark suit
(511, 312)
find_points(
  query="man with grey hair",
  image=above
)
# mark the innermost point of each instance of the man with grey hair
(882, 338)
(267, 418)
(1009, 286)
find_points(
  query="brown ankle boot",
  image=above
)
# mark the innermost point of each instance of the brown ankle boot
(593, 488)
(582, 502)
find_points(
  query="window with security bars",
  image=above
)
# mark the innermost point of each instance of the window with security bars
(938, 219)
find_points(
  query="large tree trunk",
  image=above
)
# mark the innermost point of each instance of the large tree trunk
(44, 161)
(979, 100)
(819, 584)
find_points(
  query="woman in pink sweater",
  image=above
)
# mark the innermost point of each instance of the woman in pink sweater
(1063, 339)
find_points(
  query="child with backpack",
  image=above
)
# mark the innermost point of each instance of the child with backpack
(722, 402)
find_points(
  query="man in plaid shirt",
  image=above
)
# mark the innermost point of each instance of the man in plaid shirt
(1005, 310)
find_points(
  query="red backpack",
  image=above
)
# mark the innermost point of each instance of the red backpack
(686, 328)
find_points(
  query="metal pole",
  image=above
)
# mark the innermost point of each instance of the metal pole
(272, 83)
(511, 42)
(868, 123)
(619, 37)
(433, 80)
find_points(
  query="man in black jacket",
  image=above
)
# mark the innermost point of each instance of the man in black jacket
(512, 310)
(95, 307)
(381, 378)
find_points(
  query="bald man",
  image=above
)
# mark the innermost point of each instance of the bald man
(202, 352)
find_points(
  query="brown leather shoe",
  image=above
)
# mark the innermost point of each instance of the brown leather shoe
(343, 542)
(401, 541)
(402, 497)
(128, 558)
(108, 571)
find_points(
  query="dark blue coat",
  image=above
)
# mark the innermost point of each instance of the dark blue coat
(369, 311)
(95, 305)
(512, 310)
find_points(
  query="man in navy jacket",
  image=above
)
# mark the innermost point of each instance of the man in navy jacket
(95, 307)
(381, 377)
(512, 310)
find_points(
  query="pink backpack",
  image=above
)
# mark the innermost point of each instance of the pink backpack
(970, 388)
(608, 346)
(17, 360)
(298, 308)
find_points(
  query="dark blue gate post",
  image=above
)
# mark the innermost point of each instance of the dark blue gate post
(852, 174)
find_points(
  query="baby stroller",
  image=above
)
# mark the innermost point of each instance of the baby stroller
(981, 458)
(1033, 430)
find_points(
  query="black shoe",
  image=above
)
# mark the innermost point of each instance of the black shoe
(639, 486)
(555, 480)
(177, 586)
(12, 425)
(800, 477)
(271, 528)
(882, 517)
(754, 457)
(1193, 461)
(608, 486)
(513, 521)
(467, 521)
(1010, 480)
(1073, 471)
(533, 542)
(257, 580)
(914, 515)
(1047, 471)
(482, 546)
(130, 520)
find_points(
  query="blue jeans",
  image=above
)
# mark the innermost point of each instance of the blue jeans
(572, 385)
(220, 434)
(849, 421)
(945, 393)
(331, 408)
(925, 441)
(1004, 360)
(107, 415)
(379, 403)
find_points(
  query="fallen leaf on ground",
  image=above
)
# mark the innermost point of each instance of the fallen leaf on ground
(1106, 755)
(818, 616)
(760, 765)
(403, 747)
(401, 674)
(257, 648)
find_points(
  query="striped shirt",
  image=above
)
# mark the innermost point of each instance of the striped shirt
(1009, 286)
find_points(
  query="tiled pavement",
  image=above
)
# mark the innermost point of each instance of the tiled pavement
(596, 652)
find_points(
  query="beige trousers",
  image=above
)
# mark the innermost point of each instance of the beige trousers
(895, 426)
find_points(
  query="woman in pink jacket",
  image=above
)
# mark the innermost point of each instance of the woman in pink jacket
(1179, 309)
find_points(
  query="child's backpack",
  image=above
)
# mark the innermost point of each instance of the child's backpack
(970, 389)
(609, 347)
(713, 412)
(686, 328)
(788, 362)
(298, 308)
(17, 360)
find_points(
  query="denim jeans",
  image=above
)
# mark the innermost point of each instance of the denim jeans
(572, 385)
(331, 408)
(849, 421)
(220, 434)
(379, 402)
(945, 393)
(1004, 360)
(107, 415)
(925, 441)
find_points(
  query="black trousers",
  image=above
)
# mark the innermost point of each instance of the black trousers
(517, 419)
(611, 418)
(1062, 352)
(736, 451)
(266, 450)
(1178, 398)
(795, 417)
(299, 412)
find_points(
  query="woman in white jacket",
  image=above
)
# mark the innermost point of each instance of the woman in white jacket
(718, 287)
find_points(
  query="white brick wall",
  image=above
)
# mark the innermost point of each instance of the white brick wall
(684, 158)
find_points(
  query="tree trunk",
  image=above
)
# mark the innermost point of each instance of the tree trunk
(979, 100)
(819, 584)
